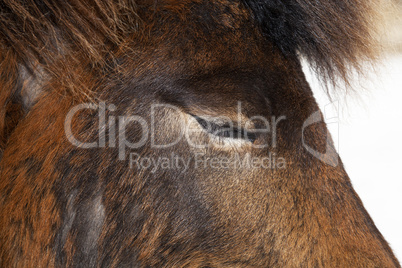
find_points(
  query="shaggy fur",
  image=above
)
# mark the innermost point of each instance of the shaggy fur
(335, 36)
(35, 28)
(62, 205)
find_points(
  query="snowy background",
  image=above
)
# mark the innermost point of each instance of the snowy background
(367, 128)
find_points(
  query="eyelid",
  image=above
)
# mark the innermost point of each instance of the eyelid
(220, 130)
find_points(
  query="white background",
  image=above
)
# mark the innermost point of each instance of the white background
(368, 136)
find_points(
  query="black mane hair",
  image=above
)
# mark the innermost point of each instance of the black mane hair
(334, 35)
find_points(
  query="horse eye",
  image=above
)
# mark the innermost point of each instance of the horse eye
(225, 130)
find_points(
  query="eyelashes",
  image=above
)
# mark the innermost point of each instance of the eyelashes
(226, 131)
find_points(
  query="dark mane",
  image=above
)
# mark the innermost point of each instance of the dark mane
(335, 36)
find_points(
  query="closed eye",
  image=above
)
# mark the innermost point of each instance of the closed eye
(226, 130)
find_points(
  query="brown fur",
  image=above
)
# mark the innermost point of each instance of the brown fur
(63, 206)
(335, 36)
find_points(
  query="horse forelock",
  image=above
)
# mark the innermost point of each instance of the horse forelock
(336, 37)
(31, 27)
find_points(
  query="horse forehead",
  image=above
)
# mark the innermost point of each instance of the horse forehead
(193, 13)
(198, 37)
(183, 5)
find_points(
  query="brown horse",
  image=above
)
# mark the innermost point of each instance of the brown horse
(178, 134)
